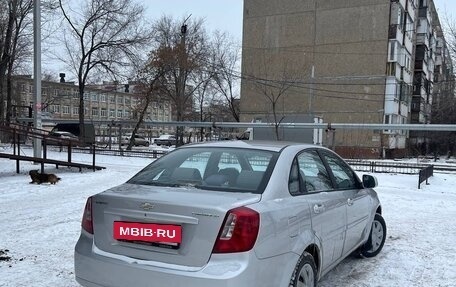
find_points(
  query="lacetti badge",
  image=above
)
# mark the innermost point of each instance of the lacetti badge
(147, 232)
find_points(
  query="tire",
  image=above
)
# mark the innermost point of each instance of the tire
(305, 273)
(377, 237)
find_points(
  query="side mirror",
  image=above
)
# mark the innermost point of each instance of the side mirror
(369, 181)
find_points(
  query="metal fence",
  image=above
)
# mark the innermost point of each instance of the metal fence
(127, 153)
(395, 167)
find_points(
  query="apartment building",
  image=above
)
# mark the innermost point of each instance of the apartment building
(343, 61)
(103, 105)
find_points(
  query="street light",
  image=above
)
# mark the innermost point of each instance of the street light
(37, 74)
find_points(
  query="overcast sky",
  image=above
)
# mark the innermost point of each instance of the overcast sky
(226, 15)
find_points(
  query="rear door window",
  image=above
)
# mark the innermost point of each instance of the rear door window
(343, 174)
(313, 172)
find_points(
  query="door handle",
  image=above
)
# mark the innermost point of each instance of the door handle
(350, 202)
(319, 208)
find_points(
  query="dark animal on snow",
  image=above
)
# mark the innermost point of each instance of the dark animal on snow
(40, 178)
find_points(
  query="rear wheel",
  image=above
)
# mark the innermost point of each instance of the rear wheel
(305, 273)
(377, 237)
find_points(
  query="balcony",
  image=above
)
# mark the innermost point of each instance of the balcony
(419, 65)
(422, 39)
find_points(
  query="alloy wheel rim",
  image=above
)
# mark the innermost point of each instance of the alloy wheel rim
(376, 236)
(306, 276)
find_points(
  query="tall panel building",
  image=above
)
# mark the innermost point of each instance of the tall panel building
(350, 61)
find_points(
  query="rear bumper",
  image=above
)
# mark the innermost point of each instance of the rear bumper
(224, 270)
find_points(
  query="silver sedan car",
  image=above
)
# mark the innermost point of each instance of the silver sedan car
(230, 214)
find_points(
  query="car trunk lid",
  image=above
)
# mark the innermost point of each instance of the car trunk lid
(198, 214)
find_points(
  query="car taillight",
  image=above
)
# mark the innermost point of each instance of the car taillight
(87, 223)
(239, 231)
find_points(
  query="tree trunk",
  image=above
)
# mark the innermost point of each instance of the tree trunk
(9, 91)
(2, 99)
(81, 112)
(138, 124)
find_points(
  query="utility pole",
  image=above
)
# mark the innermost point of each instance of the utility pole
(37, 74)
(311, 89)
(181, 83)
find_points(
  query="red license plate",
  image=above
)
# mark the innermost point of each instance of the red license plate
(147, 232)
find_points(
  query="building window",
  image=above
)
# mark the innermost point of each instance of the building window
(119, 113)
(127, 114)
(120, 99)
(86, 97)
(392, 50)
(127, 100)
(391, 69)
(103, 112)
(112, 113)
(94, 111)
(66, 110)
(55, 109)
(102, 98)
(94, 97)
(75, 110)
(112, 99)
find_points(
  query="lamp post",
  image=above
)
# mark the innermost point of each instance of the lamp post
(37, 75)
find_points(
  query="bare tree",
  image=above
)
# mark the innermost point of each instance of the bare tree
(275, 88)
(16, 35)
(20, 47)
(182, 48)
(203, 94)
(444, 102)
(102, 36)
(8, 14)
(148, 90)
(226, 61)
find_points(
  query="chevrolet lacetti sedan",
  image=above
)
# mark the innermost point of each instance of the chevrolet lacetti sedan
(235, 213)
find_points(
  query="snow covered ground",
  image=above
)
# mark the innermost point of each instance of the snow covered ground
(40, 224)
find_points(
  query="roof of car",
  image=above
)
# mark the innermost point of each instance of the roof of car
(264, 145)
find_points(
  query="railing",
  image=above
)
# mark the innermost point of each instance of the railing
(122, 152)
(18, 134)
(395, 167)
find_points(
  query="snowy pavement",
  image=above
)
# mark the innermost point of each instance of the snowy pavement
(40, 224)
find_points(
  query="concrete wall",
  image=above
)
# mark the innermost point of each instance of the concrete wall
(344, 41)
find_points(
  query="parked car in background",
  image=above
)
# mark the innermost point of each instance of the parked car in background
(62, 138)
(167, 140)
(75, 129)
(230, 214)
(137, 141)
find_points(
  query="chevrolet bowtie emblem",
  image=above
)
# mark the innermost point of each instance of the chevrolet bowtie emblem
(147, 206)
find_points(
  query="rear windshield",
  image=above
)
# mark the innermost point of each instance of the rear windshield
(223, 169)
